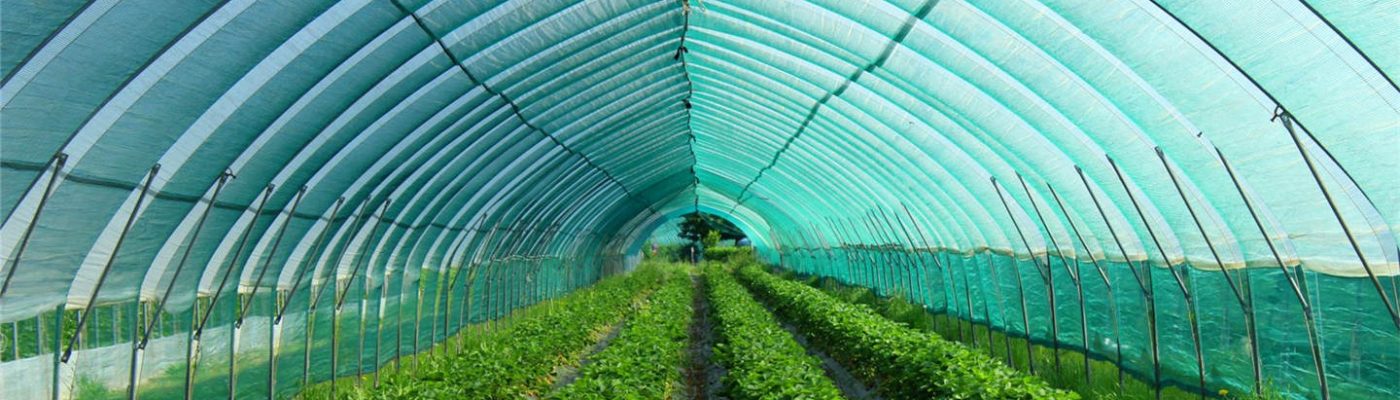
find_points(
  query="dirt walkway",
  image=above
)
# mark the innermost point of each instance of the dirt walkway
(703, 376)
(566, 374)
(851, 387)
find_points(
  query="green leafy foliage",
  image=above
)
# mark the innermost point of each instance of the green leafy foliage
(665, 253)
(1104, 374)
(763, 360)
(645, 360)
(901, 362)
(727, 253)
(711, 239)
(517, 359)
(697, 226)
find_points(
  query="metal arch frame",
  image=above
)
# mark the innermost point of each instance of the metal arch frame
(350, 238)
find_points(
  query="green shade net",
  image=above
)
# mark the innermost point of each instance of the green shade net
(358, 172)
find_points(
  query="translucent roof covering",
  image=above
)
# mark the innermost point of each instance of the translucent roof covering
(447, 117)
(157, 145)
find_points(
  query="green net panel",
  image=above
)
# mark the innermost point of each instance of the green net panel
(240, 198)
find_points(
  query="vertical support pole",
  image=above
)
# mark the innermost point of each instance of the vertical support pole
(887, 248)
(203, 317)
(857, 250)
(1144, 282)
(58, 160)
(843, 247)
(334, 282)
(14, 342)
(916, 264)
(484, 257)
(116, 323)
(275, 327)
(855, 253)
(191, 349)
(383, 300)
(826, 250)
(462, 269)
(896, 245)
(398, 315)
(986, 308)
(1001, 307)
(237, 325)
(1245, 305)
(359, 261)
(865, 273)
(56, 365)
(967, 295)
(464, 317)
(506, 302)
(446, 286)
(1050, 277)
(1025, 320)
(1108, 285)
(844, 271)
(813, 248)
(950, 300)
(806, 247)
(877, 256)
(492, 285)
(140, 346)
(1181, 284)
(307, 266)
(418, 318)
(923, 267)
(1309, 324)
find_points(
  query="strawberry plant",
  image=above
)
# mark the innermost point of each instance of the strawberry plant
(899, 361)
(762, 359)
(517, 359)
(644, 361)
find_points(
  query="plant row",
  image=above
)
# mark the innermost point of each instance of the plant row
(645, 360)
(518, 357)
(1101, 384)
(763, 361)
(727, 253)
(899, 361)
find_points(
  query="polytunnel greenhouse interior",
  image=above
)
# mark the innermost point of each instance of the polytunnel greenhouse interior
(699, 199)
